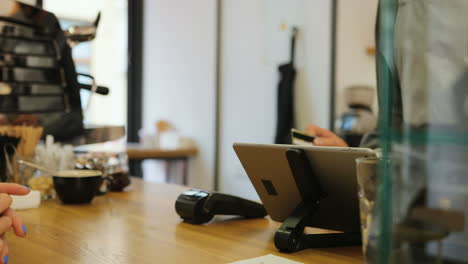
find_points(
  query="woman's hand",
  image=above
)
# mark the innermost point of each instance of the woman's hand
(325, 137)
(8, 217)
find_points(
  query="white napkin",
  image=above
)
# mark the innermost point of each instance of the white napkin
(268, 259)
(31, 200)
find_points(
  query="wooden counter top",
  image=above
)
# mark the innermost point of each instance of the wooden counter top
(136, 152)
(141, 226)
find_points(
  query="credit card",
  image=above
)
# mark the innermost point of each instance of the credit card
(301, 138)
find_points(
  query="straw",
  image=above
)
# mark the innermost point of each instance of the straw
(35, 166)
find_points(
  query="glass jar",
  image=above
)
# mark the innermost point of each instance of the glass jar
(367, 192)
(34, 179)
(118, 172)
(113, 165)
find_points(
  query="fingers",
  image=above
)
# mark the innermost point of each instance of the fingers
(17, 222)
(8, 220)
(5, 202)
(326, 142)
(5, 224)
(312, 130)
(330, 142)
(14, 189)
(318, 131)
(5, 250)
(325, 137)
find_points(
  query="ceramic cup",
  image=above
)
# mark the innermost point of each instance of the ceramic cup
(77, 186)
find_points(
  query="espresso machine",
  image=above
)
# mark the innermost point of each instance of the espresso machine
(359, 118)
(38, 75)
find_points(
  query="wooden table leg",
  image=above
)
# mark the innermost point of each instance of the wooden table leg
(184, 171)
(167, 170)
(135, 168)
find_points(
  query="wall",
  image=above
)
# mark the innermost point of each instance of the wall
(254, 42)
(83, 10)
(179, 75)
(355, 32)
(109, 65)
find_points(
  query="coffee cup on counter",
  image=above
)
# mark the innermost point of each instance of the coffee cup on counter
(77, 186)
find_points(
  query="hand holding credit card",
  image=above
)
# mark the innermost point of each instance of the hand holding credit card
(324, 137)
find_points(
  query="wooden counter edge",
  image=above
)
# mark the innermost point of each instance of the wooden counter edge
(153, 153)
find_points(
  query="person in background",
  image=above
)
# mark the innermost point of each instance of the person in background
(8, 218)
(428, 66)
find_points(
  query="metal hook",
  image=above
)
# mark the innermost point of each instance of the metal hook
(295, 31)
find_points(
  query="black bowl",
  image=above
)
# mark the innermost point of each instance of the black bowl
(77, 186)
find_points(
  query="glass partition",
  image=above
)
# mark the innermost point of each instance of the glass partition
(422, 63)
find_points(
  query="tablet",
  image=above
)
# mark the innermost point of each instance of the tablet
(334, 168)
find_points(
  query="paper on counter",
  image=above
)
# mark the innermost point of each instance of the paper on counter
(268, 259)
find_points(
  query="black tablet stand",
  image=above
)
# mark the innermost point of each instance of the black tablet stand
(290, 236)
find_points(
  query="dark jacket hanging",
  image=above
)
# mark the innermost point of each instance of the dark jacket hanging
(285, 100)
